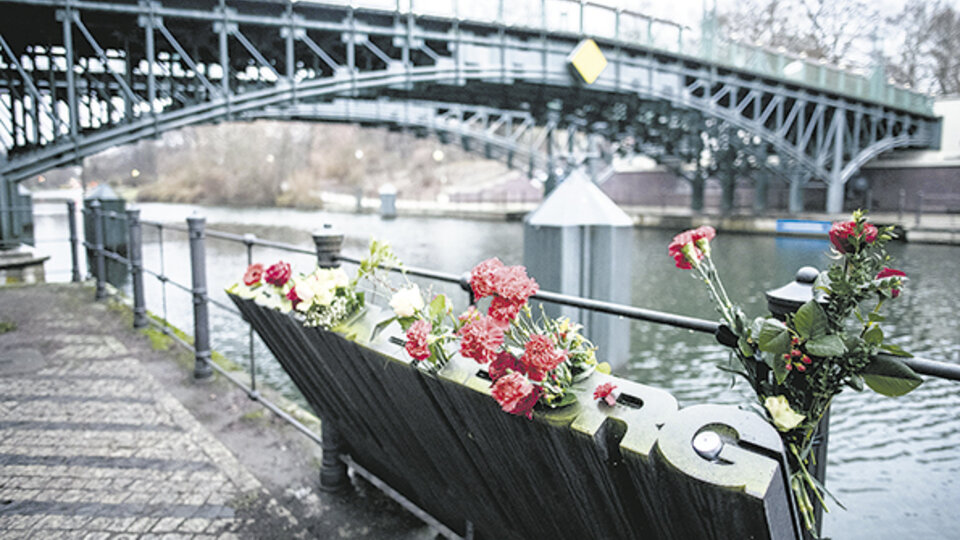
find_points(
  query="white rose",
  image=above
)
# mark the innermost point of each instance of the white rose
(407, 301)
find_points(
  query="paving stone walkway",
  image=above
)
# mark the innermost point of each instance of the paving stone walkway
(93, 446)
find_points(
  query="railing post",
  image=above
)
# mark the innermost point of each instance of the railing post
(101, 265)
(328, 242)
(201, 322)
(74, 241)
(136, 268)
(333, 471)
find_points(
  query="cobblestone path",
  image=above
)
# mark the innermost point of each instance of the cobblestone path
(91, 445)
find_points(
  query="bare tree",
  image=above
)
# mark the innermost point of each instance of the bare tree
(928, 55)
(838, 31)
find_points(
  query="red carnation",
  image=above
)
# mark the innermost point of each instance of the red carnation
(503, 310)
(892, 273)
(540, 354)
(605, 392)
(278, 274)
(516, 394)
(483, 277)
(682, 254)
(293, 298)
(253, 274)
(704, 232)
(514, 285)
(503, 364)
(480, 339)
(842, 234)
(417, 340)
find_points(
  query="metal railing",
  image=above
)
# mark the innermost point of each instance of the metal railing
(327, 249)
(606, 22)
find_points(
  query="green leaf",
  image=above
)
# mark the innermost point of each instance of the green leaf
(774, 337)
(437, 306)
(895, 350)
(889, 376)
(780, 368)
(873, 335)
(810, 321)
(826, 346)
(856, 382)
(876, 317)
(745, 347)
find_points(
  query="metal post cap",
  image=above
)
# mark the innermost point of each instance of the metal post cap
(790, 297)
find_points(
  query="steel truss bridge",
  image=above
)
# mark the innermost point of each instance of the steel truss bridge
(81, 76)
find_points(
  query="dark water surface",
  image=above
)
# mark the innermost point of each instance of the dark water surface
(895, 463)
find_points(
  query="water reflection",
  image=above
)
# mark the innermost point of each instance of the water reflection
(895, 463)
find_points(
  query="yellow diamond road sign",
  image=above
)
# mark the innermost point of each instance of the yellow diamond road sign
(587, 60)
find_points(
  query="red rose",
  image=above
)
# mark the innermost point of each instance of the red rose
(514, 285)
(843, 233)
(541, 355)
(516, 394)
(684, 249)
(253, 274)
(483, 277)
(293, 298)
(417, 340)
(502, 363)
(892, 273)
(278, 274)
(503, 311)
(605, 392)
(480, 339)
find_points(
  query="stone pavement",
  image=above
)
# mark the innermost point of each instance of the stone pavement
(92, 445)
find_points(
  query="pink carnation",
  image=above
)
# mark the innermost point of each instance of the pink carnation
(684, 257)
(516, 394)
(503, 311)
(484, 277)
(514, 285)
(480, 339)
(540, 354)
(417, 340)
(605, 392)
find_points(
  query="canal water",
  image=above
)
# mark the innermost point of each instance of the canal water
(894, 462)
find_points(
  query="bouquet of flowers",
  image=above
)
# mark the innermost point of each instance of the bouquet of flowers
(325, 297)
(530, 359)
(797, 366)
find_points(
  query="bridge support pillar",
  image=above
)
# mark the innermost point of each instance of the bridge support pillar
(7, 240)
(579, 242)
(835, 195)
(795, 205)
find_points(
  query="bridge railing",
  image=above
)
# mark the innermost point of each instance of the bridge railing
(602, 21)
(202, 300)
